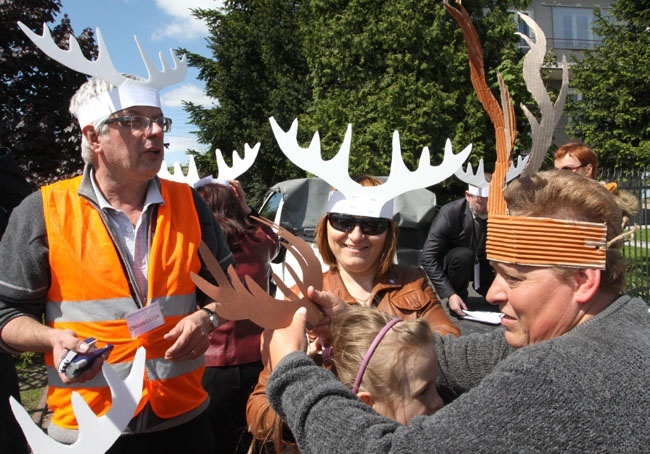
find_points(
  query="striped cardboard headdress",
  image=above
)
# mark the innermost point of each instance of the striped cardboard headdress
(523, 240)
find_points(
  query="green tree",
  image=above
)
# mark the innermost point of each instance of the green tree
(403, 66)
(257, 70)
(613, 113)
(383, 66)
(35, 92)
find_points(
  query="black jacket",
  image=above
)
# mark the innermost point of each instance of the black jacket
(452, 227)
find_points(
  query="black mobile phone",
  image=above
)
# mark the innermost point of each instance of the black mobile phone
(83, 361)
(67, 359)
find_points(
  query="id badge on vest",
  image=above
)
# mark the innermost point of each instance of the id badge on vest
(144, 320)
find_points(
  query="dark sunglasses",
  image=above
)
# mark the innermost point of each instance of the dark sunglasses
(346, 223)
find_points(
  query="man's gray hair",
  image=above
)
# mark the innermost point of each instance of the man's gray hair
(93, 87)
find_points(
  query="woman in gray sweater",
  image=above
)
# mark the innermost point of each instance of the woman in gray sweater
(567, 373)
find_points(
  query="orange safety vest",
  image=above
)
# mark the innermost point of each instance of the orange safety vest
(90, 295)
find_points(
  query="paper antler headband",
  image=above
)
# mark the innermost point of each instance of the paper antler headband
(520, 239)
(480, 183)
(366, 200)
(96, 433)
(236, 301)
(128, 91)
(224, 171)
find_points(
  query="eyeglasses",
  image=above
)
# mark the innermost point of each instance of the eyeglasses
(142, 123)
(346, 223)
(572, 168)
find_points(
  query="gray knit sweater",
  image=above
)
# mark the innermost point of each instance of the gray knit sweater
(586, 391)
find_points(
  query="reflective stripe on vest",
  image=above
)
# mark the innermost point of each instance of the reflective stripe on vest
(90, 295)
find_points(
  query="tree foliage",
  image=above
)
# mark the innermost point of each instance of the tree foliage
(382, 66)
(257, 71)
(36, 91)
(613, 113)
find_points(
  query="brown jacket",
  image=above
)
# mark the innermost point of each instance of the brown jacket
(404, 292)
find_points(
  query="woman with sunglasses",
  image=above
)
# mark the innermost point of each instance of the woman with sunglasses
(360, 252)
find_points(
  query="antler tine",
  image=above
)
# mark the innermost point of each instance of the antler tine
(96, 433)
(475, 179)
(515, 169)
(401, 179)
(103, 67)
(239, 165)
(178, 176)
(73, 58)
(236, 302)
(161, 78)
(542, 131)
(334, 171)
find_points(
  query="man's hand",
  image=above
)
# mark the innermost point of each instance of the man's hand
(190, 336)
(457, 304)
(276, 344)
(64, 341)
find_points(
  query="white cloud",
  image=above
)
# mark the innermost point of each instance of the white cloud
(184, 26)
(187, 92)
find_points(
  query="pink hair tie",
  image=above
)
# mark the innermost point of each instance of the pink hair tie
(371, 350)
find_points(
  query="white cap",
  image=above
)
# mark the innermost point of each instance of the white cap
(477, 191)
(117, 99)
(359, 205)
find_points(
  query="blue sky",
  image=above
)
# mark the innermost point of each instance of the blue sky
(160, 25)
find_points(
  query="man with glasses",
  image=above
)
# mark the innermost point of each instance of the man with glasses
(454, 251)
(108, 255)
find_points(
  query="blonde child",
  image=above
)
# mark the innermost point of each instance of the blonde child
(390, 364)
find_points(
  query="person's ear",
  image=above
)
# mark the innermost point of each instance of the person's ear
(587, 284)
(366, 398)
(91, 136)
(590, 171)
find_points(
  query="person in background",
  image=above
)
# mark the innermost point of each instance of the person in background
(13, 189)
(454, 252)
(359, 251)
(577, 157)
(108, 255)
(233, 359)
(567, 372)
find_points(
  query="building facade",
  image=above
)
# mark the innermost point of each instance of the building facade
(568, 29)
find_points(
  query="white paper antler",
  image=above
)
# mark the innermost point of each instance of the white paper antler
(103, 67)
(478, 179)
(96, 433)
(335, 171)
(177, 175)
(239, 165)
(542, 130)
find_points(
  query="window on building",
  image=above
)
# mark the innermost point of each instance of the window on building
(572, 28)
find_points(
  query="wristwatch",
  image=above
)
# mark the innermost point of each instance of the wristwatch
(213, 319)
